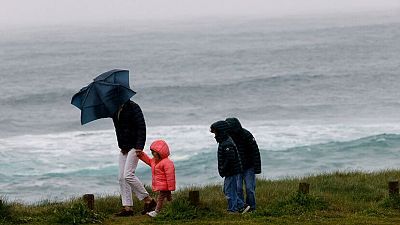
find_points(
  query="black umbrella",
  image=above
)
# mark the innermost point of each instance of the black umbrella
(103, 97)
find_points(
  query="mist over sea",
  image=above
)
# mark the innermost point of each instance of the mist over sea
(320, 94)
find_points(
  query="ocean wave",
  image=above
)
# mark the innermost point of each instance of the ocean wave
(188, 139)
(94, 153)
(310, 95)
(99, 171)
(271, 79)
(371, 153)
(43, 97)
(256, 83)
(245, 87)
(379, 142)
(288, 134)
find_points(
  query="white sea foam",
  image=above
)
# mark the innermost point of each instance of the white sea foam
(72, 151)
(289, 134)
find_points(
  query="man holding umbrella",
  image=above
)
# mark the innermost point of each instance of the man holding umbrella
(130, 128)
(108, 96)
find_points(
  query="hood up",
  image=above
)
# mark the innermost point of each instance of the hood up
(220, 129)
(161, 147)
(234, 125)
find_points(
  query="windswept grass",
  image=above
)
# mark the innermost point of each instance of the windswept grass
(337, 198)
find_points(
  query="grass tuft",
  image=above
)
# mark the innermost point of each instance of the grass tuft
(335, 198)
(295, 204)
(391, 202)
(77, 213)
(179, 209)
(5, 210)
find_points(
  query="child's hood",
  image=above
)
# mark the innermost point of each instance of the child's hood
(161, 147)
(220, 129)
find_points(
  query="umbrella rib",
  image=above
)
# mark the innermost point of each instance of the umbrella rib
(87, 94)
(97, 93)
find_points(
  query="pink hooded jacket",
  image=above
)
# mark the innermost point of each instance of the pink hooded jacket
(163, 171)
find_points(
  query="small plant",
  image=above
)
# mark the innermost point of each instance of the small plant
(392, 202)
(5, 211)
(77, 213)
(179, 209)
(296, 204)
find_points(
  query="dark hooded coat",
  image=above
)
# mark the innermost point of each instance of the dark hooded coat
(246, 145)
(130, 127)
(229, 163)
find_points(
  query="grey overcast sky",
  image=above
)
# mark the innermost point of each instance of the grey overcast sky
(38, 12)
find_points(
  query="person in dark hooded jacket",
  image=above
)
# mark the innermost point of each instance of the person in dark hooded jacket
(229, 166)
(250, 157)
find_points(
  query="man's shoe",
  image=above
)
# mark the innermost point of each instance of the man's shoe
(124, 213)
(148, 207)
(245, 209)
(152, 214)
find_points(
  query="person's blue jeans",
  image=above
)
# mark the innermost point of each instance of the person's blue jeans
(249, 178)
(230, 191)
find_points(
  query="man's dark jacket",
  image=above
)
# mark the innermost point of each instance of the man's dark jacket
(246, 145)
(228, 158)
(130, 127)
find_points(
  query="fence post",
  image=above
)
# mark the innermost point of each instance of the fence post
(89, 200)
(194, 198)
(304, 188)
(393, 188)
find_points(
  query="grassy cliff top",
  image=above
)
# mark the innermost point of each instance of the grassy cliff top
(336, 198)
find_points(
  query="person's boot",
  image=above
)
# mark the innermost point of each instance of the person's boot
(148, 207)
(124, 213)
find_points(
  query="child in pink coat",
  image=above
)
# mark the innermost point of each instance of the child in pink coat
(163, 172)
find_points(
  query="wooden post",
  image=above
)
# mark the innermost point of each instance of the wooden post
(304, 188)
(393, 188)
(194, 198)
(89, 200)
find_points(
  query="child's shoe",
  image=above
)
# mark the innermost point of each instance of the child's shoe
(148, 207)
(245, 209)
(152, 214)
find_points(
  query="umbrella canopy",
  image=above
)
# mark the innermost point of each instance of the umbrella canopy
(115, 77)
(103, 97)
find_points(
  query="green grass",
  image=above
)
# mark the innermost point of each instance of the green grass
(337, 198)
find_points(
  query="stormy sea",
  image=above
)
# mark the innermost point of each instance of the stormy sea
(320, 94)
